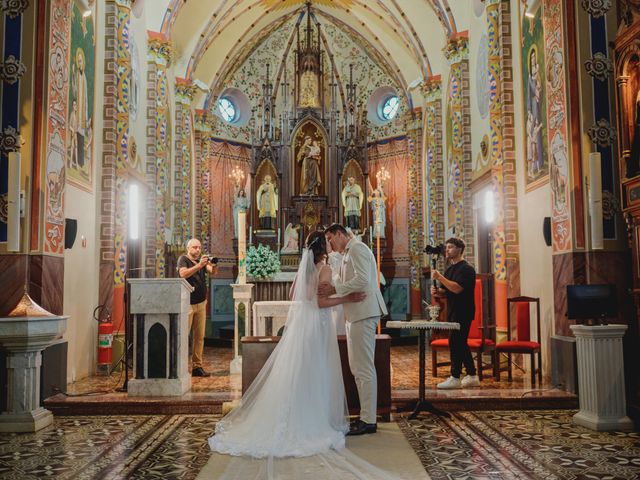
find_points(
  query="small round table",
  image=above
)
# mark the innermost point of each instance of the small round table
(424, 327)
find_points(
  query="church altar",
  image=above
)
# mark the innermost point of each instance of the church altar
(272, 289)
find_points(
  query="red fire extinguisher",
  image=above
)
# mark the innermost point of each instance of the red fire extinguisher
(105, 341)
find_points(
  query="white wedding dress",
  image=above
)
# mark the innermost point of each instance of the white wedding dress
(296, 406)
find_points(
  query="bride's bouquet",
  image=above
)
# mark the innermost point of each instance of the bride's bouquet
(262, 262)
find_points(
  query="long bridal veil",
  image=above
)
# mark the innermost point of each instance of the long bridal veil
(291, 421)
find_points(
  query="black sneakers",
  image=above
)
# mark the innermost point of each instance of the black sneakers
(199, 372)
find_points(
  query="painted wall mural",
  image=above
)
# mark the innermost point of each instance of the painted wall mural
(58, 96)
(535, 108)
(222, 158)
(80, 155)
(557, 126)
(394, 155)
(346, 49)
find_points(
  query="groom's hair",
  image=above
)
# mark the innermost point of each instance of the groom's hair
(335, 228)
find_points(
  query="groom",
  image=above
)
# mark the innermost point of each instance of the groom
(358, 273)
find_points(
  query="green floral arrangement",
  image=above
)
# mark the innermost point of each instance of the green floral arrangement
(262, 262)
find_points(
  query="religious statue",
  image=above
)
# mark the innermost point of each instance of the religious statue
(352, 198)
(291, 239)
(309, 157)
(267, 198)
(376, 200)
(240, 204)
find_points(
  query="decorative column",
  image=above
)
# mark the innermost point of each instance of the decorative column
(601, 378)
(115, 155)
(434, 172)
(160, 54)
(24, 334)
(415, 221)
(506, 260)
(202, 177)
(182, 192)
(458, 122)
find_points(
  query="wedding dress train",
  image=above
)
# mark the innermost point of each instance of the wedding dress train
(296, 406)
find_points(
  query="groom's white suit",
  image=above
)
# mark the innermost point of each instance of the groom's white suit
(358, 273)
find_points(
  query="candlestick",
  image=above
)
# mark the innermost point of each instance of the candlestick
(242, 248)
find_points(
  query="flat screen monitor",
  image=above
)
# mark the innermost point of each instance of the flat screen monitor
(591, 301)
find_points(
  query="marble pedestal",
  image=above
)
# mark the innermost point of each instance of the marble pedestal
(24, 339)
(241, 296)
(601, 378)
(160, 306)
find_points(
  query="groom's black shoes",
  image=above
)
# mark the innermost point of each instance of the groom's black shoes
(360, 427)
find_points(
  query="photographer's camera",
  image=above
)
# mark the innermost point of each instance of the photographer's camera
(434, 249)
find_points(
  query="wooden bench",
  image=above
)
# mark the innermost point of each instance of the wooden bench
(256, 351)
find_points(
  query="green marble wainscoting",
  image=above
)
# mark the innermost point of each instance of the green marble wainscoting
(396, 296)
(220, 307)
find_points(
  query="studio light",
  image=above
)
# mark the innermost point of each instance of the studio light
(489, 207)
(134, 211)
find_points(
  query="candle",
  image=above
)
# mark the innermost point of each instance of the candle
(242, 248)
(250, 231)
(595, 201)
(278, 237)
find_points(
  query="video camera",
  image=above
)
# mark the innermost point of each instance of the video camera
(434, 249)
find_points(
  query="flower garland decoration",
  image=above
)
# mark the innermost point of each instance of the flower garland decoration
(262, 262)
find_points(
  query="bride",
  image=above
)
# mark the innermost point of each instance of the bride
(296, 406)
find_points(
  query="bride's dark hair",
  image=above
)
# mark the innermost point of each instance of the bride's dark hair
(317, 243)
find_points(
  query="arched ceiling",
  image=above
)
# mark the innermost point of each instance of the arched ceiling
(210, 36)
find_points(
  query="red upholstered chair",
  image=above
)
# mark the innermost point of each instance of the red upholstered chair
(522, 343)
(479, 339)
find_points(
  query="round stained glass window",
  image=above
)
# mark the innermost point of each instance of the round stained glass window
(227, 109)
(390, 108)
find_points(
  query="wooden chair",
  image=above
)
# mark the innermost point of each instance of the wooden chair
(522, 342)
(481, 334)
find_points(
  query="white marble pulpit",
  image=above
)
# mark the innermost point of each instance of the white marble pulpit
(160, 309)
(601, 377)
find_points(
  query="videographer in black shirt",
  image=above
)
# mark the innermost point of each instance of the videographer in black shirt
(192, 267)
(458, 284)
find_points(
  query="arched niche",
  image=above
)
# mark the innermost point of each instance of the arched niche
(309, 144)
(265, 167)
(352, 169)
(157, 348)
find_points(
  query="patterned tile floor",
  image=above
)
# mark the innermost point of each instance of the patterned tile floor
(470, 445)
(404, 365)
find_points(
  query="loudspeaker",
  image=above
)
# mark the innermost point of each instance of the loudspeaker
(70, 231)
(546, 230)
